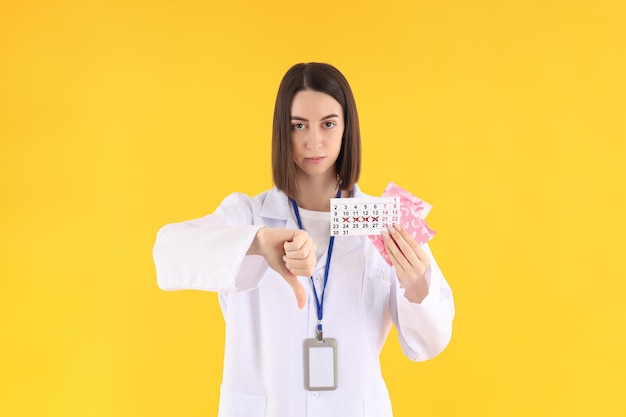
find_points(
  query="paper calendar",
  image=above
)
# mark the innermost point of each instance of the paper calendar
(363, 216)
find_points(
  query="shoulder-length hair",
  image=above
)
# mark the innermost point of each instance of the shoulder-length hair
(326, 79)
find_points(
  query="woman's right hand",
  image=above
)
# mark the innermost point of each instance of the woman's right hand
(289, 252)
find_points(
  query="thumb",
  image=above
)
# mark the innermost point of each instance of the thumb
(297, 288)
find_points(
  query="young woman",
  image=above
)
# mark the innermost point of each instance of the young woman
(259, 252)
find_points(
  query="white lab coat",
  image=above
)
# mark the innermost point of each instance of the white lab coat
(263, 361)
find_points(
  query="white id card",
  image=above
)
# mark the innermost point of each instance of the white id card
(320, 364)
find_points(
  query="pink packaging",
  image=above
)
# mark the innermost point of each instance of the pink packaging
(413, 210)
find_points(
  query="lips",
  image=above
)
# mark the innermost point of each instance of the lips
(315, 159)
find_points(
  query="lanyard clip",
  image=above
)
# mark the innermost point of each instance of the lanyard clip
(319, 333)
(320, 336)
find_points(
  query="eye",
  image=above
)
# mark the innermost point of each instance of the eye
(298, 126)
(329, 124)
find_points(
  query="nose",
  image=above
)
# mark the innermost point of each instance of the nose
(313, 139)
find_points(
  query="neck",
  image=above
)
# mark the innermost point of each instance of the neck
(315, 193)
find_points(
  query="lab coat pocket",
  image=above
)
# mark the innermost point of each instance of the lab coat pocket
(375, 300)
(233, 404)
(379, 408)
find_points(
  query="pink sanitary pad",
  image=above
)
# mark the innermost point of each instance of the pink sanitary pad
(413, 210)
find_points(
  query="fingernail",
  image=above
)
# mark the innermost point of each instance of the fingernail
(392, 229)
(385, 234)
(397, 227)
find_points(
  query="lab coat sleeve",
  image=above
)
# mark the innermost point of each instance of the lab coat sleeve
(424, 329)
(209, 253)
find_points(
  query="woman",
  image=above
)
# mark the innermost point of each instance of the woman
(259, 252)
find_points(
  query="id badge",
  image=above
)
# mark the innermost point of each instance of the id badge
(320, 364)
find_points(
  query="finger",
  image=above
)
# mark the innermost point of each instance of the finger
(397, 259)
(297, 288)
(300, 250)
(395, 255)
(301, 267)
(300, 264)
(302, 253)
(402, 239)
(417, 248)
(299, 238)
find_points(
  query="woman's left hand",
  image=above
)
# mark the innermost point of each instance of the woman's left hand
(410, 260)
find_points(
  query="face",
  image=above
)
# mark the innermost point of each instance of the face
(316, 130)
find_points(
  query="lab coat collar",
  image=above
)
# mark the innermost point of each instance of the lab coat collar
(277, 206)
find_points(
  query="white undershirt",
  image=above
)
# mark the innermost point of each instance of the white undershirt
(317, 225)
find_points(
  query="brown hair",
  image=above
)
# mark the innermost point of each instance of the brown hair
(326, 79)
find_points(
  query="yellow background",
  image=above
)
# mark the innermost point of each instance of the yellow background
(117, 117)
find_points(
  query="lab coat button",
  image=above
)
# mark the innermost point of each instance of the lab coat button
(316, 395)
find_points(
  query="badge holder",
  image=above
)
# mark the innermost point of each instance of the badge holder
(320, 364)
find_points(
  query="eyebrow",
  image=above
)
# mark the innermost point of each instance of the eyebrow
(330, 116)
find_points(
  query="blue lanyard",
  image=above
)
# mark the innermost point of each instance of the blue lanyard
(319, 304)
